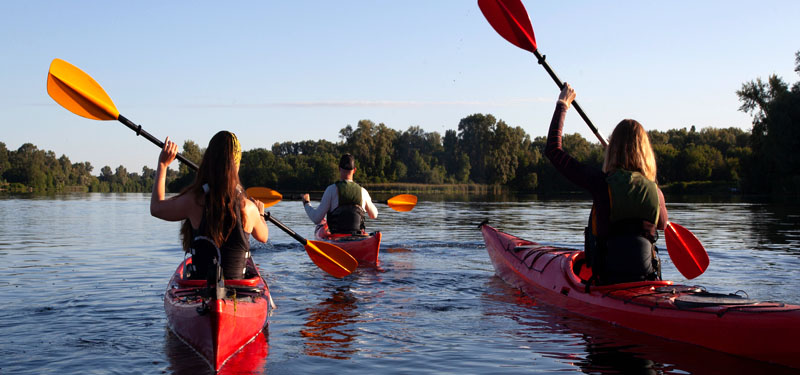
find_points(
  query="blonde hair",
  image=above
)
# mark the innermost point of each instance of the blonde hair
(629, 149)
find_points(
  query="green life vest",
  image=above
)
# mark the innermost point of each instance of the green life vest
(349, 193)
(348, 217)
(627, 252)
(633, 197)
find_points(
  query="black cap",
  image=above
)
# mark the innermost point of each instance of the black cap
(347, 162)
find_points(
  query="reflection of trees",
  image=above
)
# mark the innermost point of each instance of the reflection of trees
(329, 330)
(775, 225)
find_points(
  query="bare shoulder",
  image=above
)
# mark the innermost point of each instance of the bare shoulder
(250, 209)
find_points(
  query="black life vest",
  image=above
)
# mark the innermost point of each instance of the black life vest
(234, 250)
(349, 216)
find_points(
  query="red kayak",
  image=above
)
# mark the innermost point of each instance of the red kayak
(364, 247)
(217, 328)
(730, 323)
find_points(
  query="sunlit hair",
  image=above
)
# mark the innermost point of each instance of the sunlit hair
(629, 149)
(219, 169)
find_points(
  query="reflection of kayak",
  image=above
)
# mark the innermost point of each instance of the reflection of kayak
(726, 322)
(217, 328)
(364, 247)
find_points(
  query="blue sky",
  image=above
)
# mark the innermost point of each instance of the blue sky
(295, 70)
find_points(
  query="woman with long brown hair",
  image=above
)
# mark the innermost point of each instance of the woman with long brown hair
(213, 206)
(627, 205)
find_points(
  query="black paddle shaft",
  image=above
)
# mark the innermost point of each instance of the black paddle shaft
(560, 84)
(284, 228)
(139, 131)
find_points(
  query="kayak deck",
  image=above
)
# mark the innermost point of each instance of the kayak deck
(725, 322)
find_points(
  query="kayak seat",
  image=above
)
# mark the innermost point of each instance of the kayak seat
(251, 279)
(581, 269)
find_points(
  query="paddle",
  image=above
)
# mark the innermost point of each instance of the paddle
(82, 95)
(326, 256)
(686, 251)
(401, 203)
(266, 195)
(510, 19)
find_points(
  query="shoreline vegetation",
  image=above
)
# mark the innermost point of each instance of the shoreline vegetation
(484, 156)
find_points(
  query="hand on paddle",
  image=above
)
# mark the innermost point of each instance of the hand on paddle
(168, 153)
(567, 95)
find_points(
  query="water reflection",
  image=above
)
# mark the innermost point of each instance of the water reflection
(183, 360)
(330, 327)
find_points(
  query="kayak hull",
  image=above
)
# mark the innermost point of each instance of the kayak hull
(217, 328)
(764, 331)
(364, 248)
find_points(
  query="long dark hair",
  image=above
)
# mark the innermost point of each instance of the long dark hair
(219, 171)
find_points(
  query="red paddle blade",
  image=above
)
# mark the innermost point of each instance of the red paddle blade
(331, 258)
(511, 21)
(686, 251)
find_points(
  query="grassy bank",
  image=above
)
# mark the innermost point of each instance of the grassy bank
(398, 188)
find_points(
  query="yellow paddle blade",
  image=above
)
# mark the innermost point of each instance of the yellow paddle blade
(266, 195)
(402, 202)
(78, 92)
(331, 258)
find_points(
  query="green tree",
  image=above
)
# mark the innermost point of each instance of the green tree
(475, 138)
(775, 139)
(373, 148)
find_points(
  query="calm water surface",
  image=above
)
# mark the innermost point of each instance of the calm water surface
(82, 279)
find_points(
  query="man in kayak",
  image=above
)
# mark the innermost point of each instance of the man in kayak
(214, 207)
(627, 205)
(344, 202)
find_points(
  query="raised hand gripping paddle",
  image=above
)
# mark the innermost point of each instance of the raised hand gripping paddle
(82, 95)
(686, 251)
(510, 19)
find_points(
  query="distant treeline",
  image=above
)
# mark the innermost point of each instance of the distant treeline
(483, 150)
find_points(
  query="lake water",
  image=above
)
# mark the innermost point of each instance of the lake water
(82, 279)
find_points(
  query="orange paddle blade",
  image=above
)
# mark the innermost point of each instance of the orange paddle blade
(686, 251)
(78, 92)
(402, 202)
(266, 195)
(331, 258)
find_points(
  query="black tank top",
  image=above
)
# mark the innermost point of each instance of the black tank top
(235, 249)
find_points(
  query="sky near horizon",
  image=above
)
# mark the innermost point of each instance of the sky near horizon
(302, 70)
